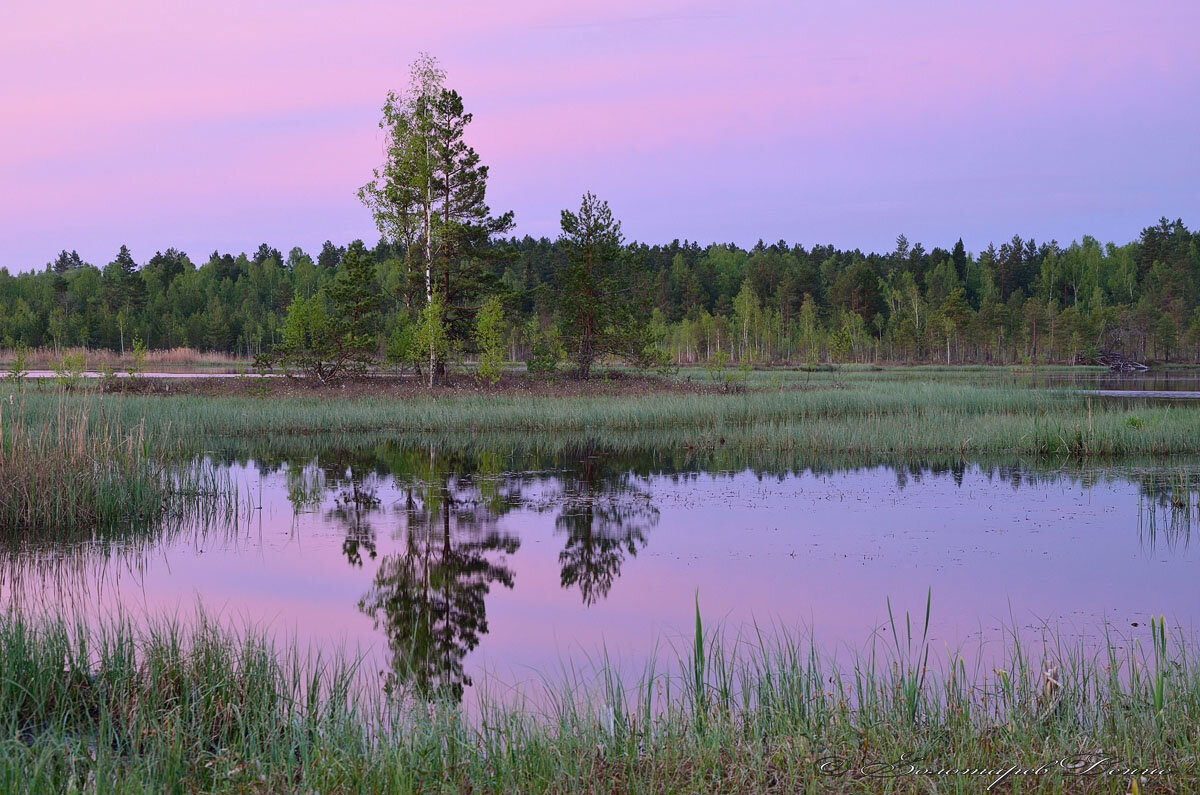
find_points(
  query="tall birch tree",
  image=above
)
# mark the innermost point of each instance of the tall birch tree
(401, 194)
(429, 197)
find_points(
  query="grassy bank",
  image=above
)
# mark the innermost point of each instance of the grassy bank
(822, 414)
(200, 709)
(68, 470)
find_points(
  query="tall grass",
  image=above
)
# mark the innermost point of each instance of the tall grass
(81, 472)
(199, 708)
(881, 417)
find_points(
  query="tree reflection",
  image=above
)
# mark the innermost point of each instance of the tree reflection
(605, 515)
(430, 599)
(352, 507)
(352, 476)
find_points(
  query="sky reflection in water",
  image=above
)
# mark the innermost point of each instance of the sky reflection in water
(441, 566)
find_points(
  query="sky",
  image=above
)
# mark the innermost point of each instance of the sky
(222, 124)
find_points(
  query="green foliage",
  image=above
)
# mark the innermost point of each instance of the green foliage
(598, 307)
(429, 196)
(729, 380)
(402, 348)
(354, 297)
(489, 340)
(430, 333)
(715, 366)
(545, 348)
(308, 338)
(18, 369)
(334, 333)
(69, 371)
(139, 353)
(779, 303)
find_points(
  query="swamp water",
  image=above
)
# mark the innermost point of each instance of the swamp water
(454, 568)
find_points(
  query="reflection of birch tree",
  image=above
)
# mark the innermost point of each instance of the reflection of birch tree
(430, 599)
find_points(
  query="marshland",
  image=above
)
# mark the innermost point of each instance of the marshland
(478, 484)
(801, 580)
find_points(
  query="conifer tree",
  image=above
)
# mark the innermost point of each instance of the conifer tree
(599, 314)
(429, 197)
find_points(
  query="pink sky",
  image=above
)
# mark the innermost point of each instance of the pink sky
(220, 125)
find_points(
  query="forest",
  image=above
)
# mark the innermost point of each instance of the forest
(776, 303)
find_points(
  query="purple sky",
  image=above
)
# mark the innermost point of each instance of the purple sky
(223, 124)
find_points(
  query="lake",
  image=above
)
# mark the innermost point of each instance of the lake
(461, 566)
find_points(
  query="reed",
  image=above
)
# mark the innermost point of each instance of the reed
(168, 706)
(80, 473)
(897, 417)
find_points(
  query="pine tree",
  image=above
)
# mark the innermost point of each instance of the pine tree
(464, 226)
(355, 296)
(599, 314)
(124, 291)
(67, 261)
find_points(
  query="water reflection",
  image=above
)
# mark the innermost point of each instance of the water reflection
(430, 599)
(605, 515)
(421, 544)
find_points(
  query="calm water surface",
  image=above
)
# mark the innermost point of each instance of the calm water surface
(442, 568)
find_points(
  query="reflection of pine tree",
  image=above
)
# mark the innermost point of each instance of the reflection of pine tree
(351, 475)
(352, 507)
(430, 600)
(605, 516)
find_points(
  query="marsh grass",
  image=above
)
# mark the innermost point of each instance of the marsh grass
(867, 416)
(199, 708)
(79, 473)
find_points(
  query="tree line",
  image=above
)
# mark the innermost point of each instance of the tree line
(447, 281)
(774, 303)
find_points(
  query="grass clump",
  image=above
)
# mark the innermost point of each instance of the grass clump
(81, 472)
(162, 709)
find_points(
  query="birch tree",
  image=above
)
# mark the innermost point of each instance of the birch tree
(429, 197)
(401, 194)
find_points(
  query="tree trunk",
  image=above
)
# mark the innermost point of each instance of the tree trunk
(429, 259)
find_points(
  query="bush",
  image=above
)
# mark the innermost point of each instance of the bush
(68, 373)
(489, 338)
(18, 370)
(545, 348)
